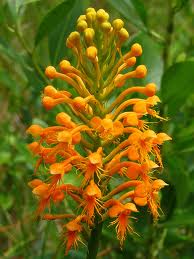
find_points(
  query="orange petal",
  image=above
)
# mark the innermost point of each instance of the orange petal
(140, 201)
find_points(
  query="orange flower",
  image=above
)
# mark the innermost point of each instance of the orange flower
(73, 230)
(91, 196)
(143, 144)
(106, 127)
(147, 193)
(122, 214)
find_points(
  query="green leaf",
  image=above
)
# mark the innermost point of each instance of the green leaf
(178, 177)
(140, 8)
(131, 10)
(151, 58)
(57, 37)
(52, 18)
(179, 220)
(177, 85)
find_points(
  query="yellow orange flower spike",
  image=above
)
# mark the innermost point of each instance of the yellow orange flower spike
(97, 139)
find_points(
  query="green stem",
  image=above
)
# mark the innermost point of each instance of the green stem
(94, 240)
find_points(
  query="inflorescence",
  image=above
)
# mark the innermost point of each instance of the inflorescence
(98, 139)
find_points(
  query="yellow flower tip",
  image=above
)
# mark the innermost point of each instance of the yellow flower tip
(89, 35)
(65, 66)
(41, 190)
(150, 89)
(35, 130)
(141, 71)
(131, 206)
(117, 24)
(106, 27)
(34, 183)
(158, 184)
(119, 82)
(82, 25)
(102, 16)
(123, 34)
(50, 72)
(161, 137)
(63, 118)
(136, 50)
(91, 53)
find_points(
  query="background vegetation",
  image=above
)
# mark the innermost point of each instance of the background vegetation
(32, 36)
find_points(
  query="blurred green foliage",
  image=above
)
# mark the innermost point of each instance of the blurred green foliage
(32, 35)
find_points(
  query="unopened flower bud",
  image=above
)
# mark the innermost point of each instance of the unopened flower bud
(141, 71)
(50, 72)
(82, 25)
(102, 16)
(123, 35)
(63, 118)
(136, 50)
(91, 53)
(89, 35)
(49, 90)
(106, 26)
(117, 24)
(81, 18)
(91, 16)
(150, 89)
(90, 9)
(74, 38)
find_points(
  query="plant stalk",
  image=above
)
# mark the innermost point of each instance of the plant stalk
(94, 240)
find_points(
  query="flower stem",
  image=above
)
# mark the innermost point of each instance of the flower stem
(94, 240)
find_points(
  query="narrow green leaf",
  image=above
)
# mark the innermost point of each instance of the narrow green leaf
(52, 18)
(177, 85)
(140, 8)
(57, 37)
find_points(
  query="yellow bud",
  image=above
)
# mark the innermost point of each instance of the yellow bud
(91, 53)
(63, 118)
(141, 71)
(74, 38)
(82, 25)
(117, 24)
(50, 72)
(90, 9)
(65, 66)
(123, 34)
(106, 26)
(91, 16)
(81, 18)
(89, 35)
(136, 50)
(102, 16)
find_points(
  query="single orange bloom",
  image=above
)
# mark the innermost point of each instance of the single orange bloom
(122, 214)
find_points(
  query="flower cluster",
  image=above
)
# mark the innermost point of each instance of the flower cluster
(98, 137)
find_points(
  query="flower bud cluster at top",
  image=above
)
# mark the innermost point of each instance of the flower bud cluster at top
(114, 141)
